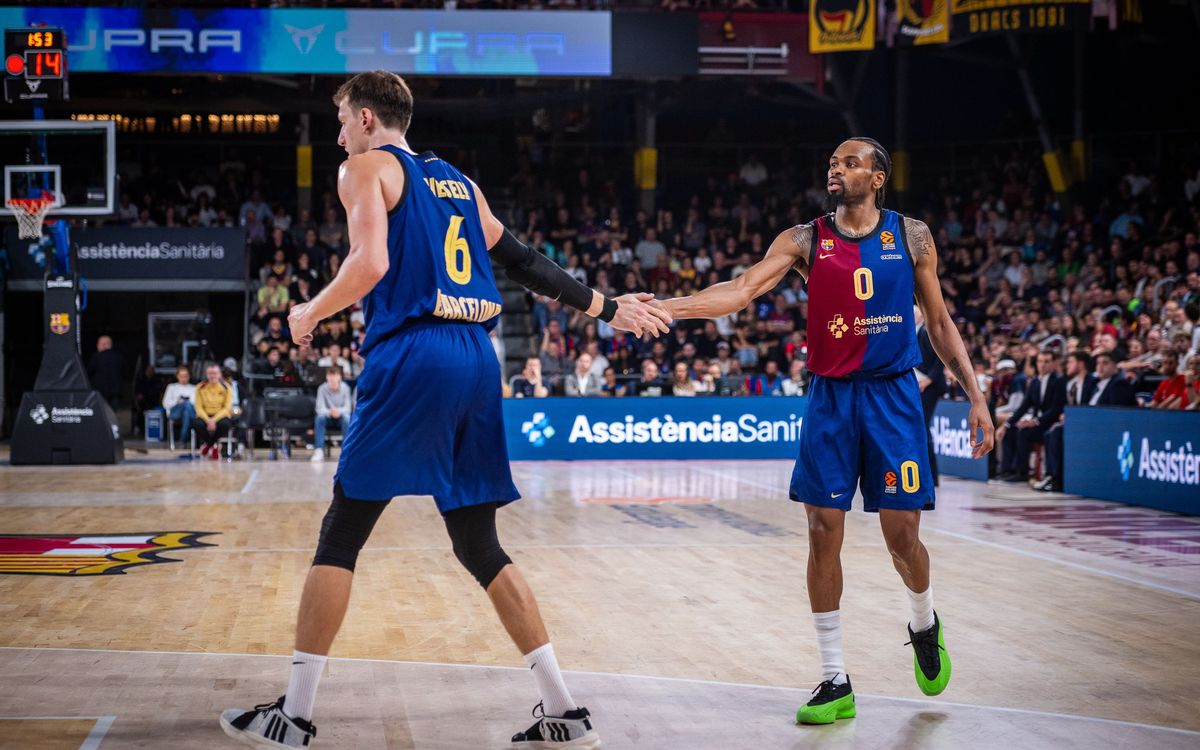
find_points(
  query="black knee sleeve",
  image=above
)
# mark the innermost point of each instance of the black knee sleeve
(473, 532)
(344, 531)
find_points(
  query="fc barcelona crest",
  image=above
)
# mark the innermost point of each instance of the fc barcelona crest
(91, 555)
(60, 323)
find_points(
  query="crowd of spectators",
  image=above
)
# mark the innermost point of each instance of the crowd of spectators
(1021, 273)
(1110, 284)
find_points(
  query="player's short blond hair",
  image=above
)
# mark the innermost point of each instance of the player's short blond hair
(384, 93)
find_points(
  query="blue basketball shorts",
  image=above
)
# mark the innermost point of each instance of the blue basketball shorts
(428, 420)
(869, 434)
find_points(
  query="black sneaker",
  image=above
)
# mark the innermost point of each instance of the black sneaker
(829, 703)
(571, 730)
(266, 725)
(931, 661)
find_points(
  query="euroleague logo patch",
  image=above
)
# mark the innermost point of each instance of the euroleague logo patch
(889, 481)
(75, 555)
(888, 240)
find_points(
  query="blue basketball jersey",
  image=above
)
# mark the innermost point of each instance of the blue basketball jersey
(438, 265)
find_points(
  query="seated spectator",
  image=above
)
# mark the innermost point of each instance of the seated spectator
(1193, 383)
(305, 269)
(1111, 388)
(769, 383)
(796, 383)
(1044, 400)
(1172, 392)
(230, 377)
(333, 404)
(583, 382)
(276, 334)
(254, 209)
(334, 358)
(278, 267)
(747, 348)
(1081, 384)
(529, 383)
(178, 402)
(554, 362)
(613, 388)
(300, 292)
(682, 383)
(650, 384)
(273, 295)
(599, 361)
(1008, 389)
(332, 232)
(214, 401)
(301, 227)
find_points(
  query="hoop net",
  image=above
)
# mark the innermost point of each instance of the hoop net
(30, 213)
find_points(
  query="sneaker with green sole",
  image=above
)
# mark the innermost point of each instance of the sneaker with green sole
(830, 702)
(931, 661)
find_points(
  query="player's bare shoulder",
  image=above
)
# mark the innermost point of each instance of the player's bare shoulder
(801, 239)
(918, 239)
(374, 167)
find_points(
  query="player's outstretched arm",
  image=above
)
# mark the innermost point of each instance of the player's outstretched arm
(790, 249)
(943, 334)
(537, 273)
(361, 192)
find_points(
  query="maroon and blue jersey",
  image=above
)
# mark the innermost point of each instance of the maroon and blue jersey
(860, 301)
(864, 429)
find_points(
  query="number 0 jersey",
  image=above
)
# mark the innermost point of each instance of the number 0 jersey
(438, 265)
(860, 301)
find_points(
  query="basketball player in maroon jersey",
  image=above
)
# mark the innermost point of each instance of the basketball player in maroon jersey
(864, 427)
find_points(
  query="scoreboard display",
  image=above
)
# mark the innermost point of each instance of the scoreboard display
(35, 65)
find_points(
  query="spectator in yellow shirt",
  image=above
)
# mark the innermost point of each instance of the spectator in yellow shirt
(273, 295)
(214, 402)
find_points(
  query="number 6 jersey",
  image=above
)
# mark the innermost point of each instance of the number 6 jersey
(860, 301)
(438, 265)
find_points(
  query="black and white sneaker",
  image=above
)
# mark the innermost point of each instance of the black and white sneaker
(573, 729)
(267, 726)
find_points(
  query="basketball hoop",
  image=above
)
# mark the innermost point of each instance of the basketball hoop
(30, 213)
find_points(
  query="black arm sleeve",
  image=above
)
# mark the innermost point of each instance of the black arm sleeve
(540, 275)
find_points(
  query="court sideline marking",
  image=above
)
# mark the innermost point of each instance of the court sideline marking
(998, 545)
(249, 481)
(686, 680)
(94, 738)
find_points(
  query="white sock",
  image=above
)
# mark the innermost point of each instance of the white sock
(829, 643)
(556, 701)
(302, 685)
(922, 609)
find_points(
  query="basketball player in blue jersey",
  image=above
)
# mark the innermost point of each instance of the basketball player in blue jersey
(864, 427)
(428, 420)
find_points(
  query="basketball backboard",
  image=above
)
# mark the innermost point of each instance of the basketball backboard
(74, 160)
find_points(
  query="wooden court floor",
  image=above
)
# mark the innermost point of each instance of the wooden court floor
(674, 593)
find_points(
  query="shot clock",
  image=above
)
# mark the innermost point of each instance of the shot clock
(35, 65)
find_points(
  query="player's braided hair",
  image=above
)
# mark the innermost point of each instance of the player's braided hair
(881, 160)
(384, 93)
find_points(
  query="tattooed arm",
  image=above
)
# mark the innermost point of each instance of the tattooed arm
(942, 332)
(789, 250)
